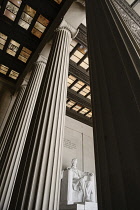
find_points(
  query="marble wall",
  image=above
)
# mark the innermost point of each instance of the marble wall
(78, 143)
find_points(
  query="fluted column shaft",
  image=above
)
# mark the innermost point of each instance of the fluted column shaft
(115, 88)
(43, 180)
(11, 118)
(11, 158)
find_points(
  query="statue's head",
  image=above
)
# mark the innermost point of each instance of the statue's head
(74, 162)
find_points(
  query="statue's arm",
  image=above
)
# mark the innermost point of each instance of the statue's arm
(88, 174)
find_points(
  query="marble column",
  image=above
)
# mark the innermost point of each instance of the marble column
(115, 87)
(42, 188)
(6, 92)
(10, 121)
(11, 158)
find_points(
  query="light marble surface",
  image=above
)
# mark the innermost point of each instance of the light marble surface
(78, 126)
(77, 186)
(72, 147)
(79, 137)
(75, 15)
(78, 143)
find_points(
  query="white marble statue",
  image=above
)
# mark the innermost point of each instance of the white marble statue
(77, 186)
(82, 181)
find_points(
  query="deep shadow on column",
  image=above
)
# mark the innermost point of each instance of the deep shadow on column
(115, 90)
(10, 121)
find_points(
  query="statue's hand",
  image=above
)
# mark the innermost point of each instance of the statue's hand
(89, 174)
(86, 173)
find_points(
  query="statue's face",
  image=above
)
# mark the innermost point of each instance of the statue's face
(74, 163)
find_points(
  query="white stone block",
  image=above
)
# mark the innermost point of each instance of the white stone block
(91, 206)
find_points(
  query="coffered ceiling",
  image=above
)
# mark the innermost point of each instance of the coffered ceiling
(25, 25)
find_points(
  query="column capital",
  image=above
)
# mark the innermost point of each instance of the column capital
(65, 25)
(24, 84)
(81, 2)
(41, 59)
(26, 79)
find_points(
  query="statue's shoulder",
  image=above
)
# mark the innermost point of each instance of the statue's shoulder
(68, 168)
